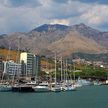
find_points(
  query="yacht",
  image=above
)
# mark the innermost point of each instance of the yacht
(56, 88)
(42, 87)
(70, 88)
(32, 83)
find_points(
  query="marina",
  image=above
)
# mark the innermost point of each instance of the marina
(48, 87)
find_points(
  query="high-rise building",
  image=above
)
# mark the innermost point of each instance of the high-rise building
(30, 63)
(36, 65)
(23, 68)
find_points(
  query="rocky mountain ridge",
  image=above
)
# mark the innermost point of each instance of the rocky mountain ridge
(64, 40)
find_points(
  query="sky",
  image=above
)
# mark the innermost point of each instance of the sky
(25, 15)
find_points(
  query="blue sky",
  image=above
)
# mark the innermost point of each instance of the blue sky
(25, 15)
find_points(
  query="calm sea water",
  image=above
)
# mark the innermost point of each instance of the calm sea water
(86, 97)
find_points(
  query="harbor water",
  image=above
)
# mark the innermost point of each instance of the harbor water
(84, 97)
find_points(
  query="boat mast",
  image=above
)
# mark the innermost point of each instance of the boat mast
(71, 72)
(61, 70)
(17, 57)
(74, 71)
(66, 71)
(55, 69)
(37, 68)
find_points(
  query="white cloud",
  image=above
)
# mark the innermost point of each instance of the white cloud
(61, 21)
(96, 15)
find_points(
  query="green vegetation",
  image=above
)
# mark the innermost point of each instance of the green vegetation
(85, 72)
(90, 71)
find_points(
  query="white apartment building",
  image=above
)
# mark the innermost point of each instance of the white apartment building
(30, 63)
(27, 58)
(12, 68)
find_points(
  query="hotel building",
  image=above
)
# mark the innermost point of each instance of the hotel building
(30, 63)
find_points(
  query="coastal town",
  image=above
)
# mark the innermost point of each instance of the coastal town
(53, 53)
(26, 72)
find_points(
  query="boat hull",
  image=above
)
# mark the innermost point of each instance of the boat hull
(41, 89)
(22, 89)
(70, 88)
(5, 88)
(56, 89)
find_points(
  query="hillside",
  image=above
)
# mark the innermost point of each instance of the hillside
(9, 54)
(74, 42)
(99, 36)
(91, 57)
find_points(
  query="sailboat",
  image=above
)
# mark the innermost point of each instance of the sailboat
(62, 87)
(67, 85)
(41, 87)
(56, 87)
(5, 86)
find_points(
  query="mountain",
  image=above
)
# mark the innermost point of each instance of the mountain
(65, 40)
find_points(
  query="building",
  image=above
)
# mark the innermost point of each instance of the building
(12, 68)
(23, 68)
(36, 65)
(30, 64)
(27, 61)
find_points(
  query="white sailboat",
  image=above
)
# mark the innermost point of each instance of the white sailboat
(62, 87)
(76, 83)
(42, 87)
(56, 87)
(68, 86)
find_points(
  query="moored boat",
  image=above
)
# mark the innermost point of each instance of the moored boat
(22, 88)
(70, 88)
(42, 87)
(56, 89)
(5, 88)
